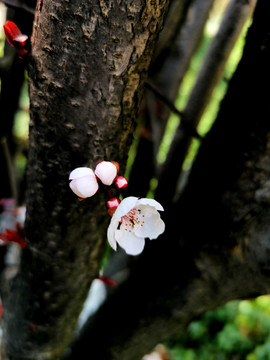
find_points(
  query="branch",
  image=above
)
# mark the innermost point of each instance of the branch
(174, 21)
(193, 132)
(28, 5)
(10, 169)
(169, 77)
(85, 75)
(211, 71)
(170, 63)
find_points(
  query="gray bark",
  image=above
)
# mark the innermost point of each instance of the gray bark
(88, 98)
(89, 60)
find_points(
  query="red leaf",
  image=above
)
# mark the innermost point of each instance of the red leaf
(13, 236)
(15, 37)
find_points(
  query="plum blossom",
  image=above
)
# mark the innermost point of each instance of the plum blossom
(134, 220)
(106, 171)
(83, 182)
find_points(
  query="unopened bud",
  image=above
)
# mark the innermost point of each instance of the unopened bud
(120, 182)
(83, 182)
(106, 171)
(112, 205)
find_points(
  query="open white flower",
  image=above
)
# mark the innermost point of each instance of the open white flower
(106, 171)
(133, 221)
(83, 182)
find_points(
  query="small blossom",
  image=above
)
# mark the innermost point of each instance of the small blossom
(133, 221)
(83, 182)
(120, 182)
(15, 37)
(106, 171)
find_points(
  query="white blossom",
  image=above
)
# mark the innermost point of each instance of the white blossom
(133, 221)
(83, 182)
(106, 171)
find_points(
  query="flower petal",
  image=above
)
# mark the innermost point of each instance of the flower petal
(111, 233)
(152, 226)
(150, 202)
(85, 186)
(125, 206)
(81, 171)
(132, 244)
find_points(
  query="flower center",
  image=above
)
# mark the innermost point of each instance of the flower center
(133, 218)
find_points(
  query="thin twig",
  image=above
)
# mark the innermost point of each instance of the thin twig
(216, 58)
(10, 169)
(193, 132)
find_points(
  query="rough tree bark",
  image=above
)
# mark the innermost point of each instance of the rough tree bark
(221, 248)
(88, 63)
(216, 246)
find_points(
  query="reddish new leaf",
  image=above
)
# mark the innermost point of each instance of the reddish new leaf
(15, 37)
(14, 236)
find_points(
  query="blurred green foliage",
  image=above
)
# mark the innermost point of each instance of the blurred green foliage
(21, 121)
(239, 330)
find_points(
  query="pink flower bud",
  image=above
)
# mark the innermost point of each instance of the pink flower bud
(106, 172)
(120, 182)
(83, 182)
(112, 205)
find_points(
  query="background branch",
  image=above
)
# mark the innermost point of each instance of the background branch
(171, 60)
(12, 72)
(211, 71)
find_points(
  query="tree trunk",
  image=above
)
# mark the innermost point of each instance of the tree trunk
(88, 64)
